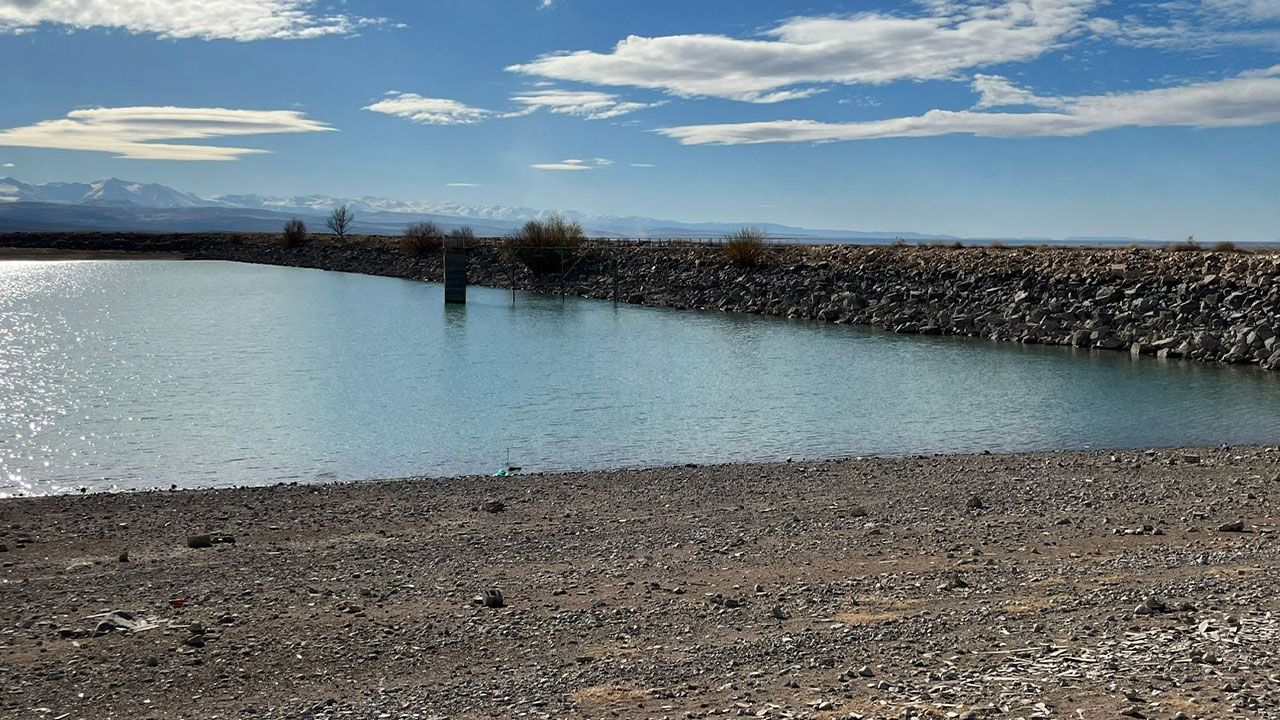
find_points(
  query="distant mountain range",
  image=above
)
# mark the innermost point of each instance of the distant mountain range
(121, 205)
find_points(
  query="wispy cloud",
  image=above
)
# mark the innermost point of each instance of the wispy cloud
(574, 165)
(587, 104)
(1250, 99)
(9, 165)
(998, 91)
(1245, 10)
(143, 133)
(1180, 26)
(429, 111)
(463, 185)
(241, 20)
(590, 104)
(642, 165)
(799, 56)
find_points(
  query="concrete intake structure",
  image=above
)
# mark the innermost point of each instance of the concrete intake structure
(455, 276)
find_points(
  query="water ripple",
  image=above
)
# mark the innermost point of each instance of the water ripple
(128, 375)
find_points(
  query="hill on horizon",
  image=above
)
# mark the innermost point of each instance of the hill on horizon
(119, 205)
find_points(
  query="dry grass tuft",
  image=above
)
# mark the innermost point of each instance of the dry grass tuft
(606, 695)
(747, 247)
(879, 610)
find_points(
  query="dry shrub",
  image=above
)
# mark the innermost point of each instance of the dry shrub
(746, 247)
(422, 238)
(543, 246)
(460, 238)
(1228, 247)
(294, 234)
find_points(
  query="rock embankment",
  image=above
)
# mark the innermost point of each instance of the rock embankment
(1219, 307)
(1208, 306)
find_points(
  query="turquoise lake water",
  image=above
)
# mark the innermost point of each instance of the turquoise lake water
(140, 374)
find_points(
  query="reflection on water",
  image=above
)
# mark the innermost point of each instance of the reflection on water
(145, 374)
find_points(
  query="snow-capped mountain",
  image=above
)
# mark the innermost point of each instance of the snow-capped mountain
(111, 191)
(115, 204)
(325, 203)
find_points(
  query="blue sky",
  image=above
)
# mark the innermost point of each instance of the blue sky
(995, 118)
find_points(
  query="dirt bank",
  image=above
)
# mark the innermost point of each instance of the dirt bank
(1054, 585)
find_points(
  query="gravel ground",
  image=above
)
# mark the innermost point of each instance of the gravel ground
(1052, 585)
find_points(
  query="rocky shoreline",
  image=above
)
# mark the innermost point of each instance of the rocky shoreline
(1206, 306)
(1135, 584)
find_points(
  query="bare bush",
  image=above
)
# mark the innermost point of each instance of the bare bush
(542, 246)
(460, 238)
(422, 238)
(295, 233)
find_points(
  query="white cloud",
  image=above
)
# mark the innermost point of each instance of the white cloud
(573, 165)
(1245, 10)
(587, 104)
(142, 133)
(242, 20)
(797, 57)
(9, 165)
(590, 104)
(642, 165)
(1247, 100)
(1273, 71)
(546, 4)
(429, 111)
(1208, 24)
(463, 185)
(997, 91)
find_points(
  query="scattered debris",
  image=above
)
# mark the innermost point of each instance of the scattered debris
(206, 541)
